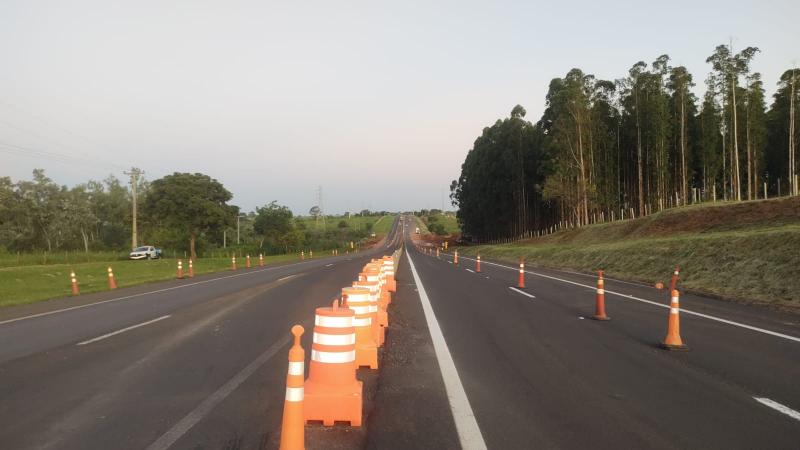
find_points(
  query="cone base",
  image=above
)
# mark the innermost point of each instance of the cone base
(331, 404)
(673, 347)
(595, 317)
(367, 356)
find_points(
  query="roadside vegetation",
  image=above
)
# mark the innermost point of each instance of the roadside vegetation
(748, 251)
(633, 146)
(47, 229)
(437, 222)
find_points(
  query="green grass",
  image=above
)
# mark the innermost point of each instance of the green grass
(28, 284)
(380, 224)
(740, 258)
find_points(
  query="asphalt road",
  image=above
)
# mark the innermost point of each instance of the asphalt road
(204, 365)
(538, 374)
(468, 363)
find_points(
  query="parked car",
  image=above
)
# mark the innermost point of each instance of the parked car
(145, 252)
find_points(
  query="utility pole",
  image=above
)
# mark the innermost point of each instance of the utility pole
(134, 174)
(237, 226)
(321, 209)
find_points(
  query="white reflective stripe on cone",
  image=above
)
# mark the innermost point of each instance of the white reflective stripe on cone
(362, 322)
(601, 291)
(333, 357)
(359, 309)
(358, 298)
(373, 308)
(673, 310)
(334, 321)
(334, 339)
(295, 394)
(296, 368)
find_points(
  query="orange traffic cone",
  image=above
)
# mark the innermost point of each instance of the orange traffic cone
(381, 319)
(260, 260)
(311, 254)
(600, 300)
(673, 340)
(74, 281)
(180, 270)
(112, 283)
(455, 258)
(302, 255)
(233, 262)
(673, 283)
(332, 392)
(521, 280)
(357, 299)
(387, 267)
(292, 427)
(478, 264)
(191, 269)
(247, 261)
(437, 252)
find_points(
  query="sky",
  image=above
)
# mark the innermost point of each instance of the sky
(376, 102)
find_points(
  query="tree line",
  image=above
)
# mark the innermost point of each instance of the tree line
(608, 150)
(182, 212)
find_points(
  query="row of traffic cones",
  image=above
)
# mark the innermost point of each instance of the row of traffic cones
(347, 336)
(112, 282)
(673, 339)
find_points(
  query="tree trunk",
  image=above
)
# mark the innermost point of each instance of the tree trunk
(85, 240)
(639, 155)
(735, 153)
(191, 247)
(684, 183)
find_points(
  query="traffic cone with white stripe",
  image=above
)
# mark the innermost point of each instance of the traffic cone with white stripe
(233, 262)
(180, 270)
(437, 252)
(381, 319)
(521, 280)
(673, 340)
(357, 299)
(332, 392)
(600, 299)
(388, 268)
(260, 260)
(74, 281)
(191, 268)
(112, 283)
(455, 258)
(292, 427)
(673, 282)
(247, 261)
(302, 255)
(478, 264)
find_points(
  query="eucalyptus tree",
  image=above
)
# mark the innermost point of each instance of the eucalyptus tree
(680, 84)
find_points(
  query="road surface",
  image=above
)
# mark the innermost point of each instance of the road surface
(469, 363)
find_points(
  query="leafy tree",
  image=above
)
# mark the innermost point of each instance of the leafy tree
(194, 203)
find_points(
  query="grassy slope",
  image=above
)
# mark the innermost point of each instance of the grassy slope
(28, 284)
(746, 251)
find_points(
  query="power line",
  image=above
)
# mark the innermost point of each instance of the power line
(54, 156)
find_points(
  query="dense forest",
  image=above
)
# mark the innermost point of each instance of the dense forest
(608, 150)
(181, 212)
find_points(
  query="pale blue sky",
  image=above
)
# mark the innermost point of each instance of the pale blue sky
(378, 102)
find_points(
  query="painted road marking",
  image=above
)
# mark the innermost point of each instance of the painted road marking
(778, 407)
(196, 415)
(114, 333)
(631, 297)
(286, 277)
(521, 292)
(469, 434)
(470, 270)
(328, 265)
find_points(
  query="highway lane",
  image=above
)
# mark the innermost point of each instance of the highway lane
(170, 383)
(538, 374)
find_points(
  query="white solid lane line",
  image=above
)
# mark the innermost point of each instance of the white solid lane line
(470, 270)
(631, 297)
(114, 333)
(196, 415)
(521, 292)
(778, 407)
(469, 434)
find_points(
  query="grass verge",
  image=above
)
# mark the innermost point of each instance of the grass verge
(29, 284)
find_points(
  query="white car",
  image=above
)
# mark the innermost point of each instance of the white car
(145, 252)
